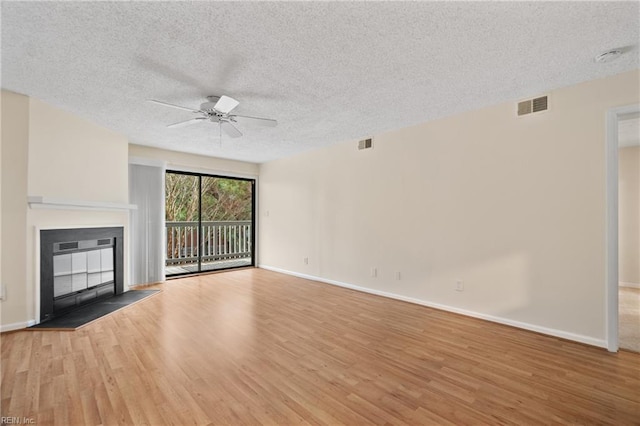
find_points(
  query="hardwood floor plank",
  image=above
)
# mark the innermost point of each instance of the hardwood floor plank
(257, 347)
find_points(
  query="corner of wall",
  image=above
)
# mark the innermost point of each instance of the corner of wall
(13, 204)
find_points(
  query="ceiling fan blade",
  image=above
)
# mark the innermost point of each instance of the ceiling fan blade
(230, 129)
(186, 122)
(173, 106)
(269, 122)
(225, 104)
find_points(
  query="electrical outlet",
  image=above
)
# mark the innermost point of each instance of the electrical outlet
(374, 272)
(398, 276)
(306, 260)
(2, 292)
(266, 213)
(459, 285)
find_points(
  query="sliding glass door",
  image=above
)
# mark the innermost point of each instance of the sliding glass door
(209, 223)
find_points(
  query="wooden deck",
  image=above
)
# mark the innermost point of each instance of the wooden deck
(207, 266)
(257, 347)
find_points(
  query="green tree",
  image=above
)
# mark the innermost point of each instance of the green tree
(222, 199)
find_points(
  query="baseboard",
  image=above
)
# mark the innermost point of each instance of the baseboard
(629, 285)
(16, 326)
(500, 320)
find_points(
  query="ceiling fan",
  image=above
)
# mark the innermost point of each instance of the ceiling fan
(218, 109)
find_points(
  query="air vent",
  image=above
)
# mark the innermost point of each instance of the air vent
(365, 143)
(539, 104)
(533, 105)
(104, 242)
(68, 246)
(524, 107)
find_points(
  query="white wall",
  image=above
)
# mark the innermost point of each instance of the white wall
(195, 163)
(514, 207)
(13, 266)
(629, 216)
(62, 156)
(72, 158)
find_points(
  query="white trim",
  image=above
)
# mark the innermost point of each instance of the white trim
(150, 162)
(36, 278)
(611, 223)
(611, 231)
(629, 285)
(16, 325)
(43, 202)
(523, 325)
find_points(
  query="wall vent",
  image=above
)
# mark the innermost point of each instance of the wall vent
(68, 246)
(533, 105)
(365, 143)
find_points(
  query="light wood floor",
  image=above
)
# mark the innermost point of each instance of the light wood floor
(253, 346)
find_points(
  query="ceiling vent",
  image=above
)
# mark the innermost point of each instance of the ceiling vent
(365, 143)
(533, 105)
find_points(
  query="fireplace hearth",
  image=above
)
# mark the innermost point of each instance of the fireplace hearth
(79, 266)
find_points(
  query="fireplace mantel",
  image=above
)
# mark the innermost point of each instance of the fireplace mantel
(43, 202)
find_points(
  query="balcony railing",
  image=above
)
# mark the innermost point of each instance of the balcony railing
(219, 240)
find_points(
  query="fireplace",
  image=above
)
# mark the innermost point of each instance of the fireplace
(78, 267)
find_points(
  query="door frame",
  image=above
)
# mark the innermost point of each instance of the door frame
(254, 206)
(611, 230)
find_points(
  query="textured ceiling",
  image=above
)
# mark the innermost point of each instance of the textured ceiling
(328, 72)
